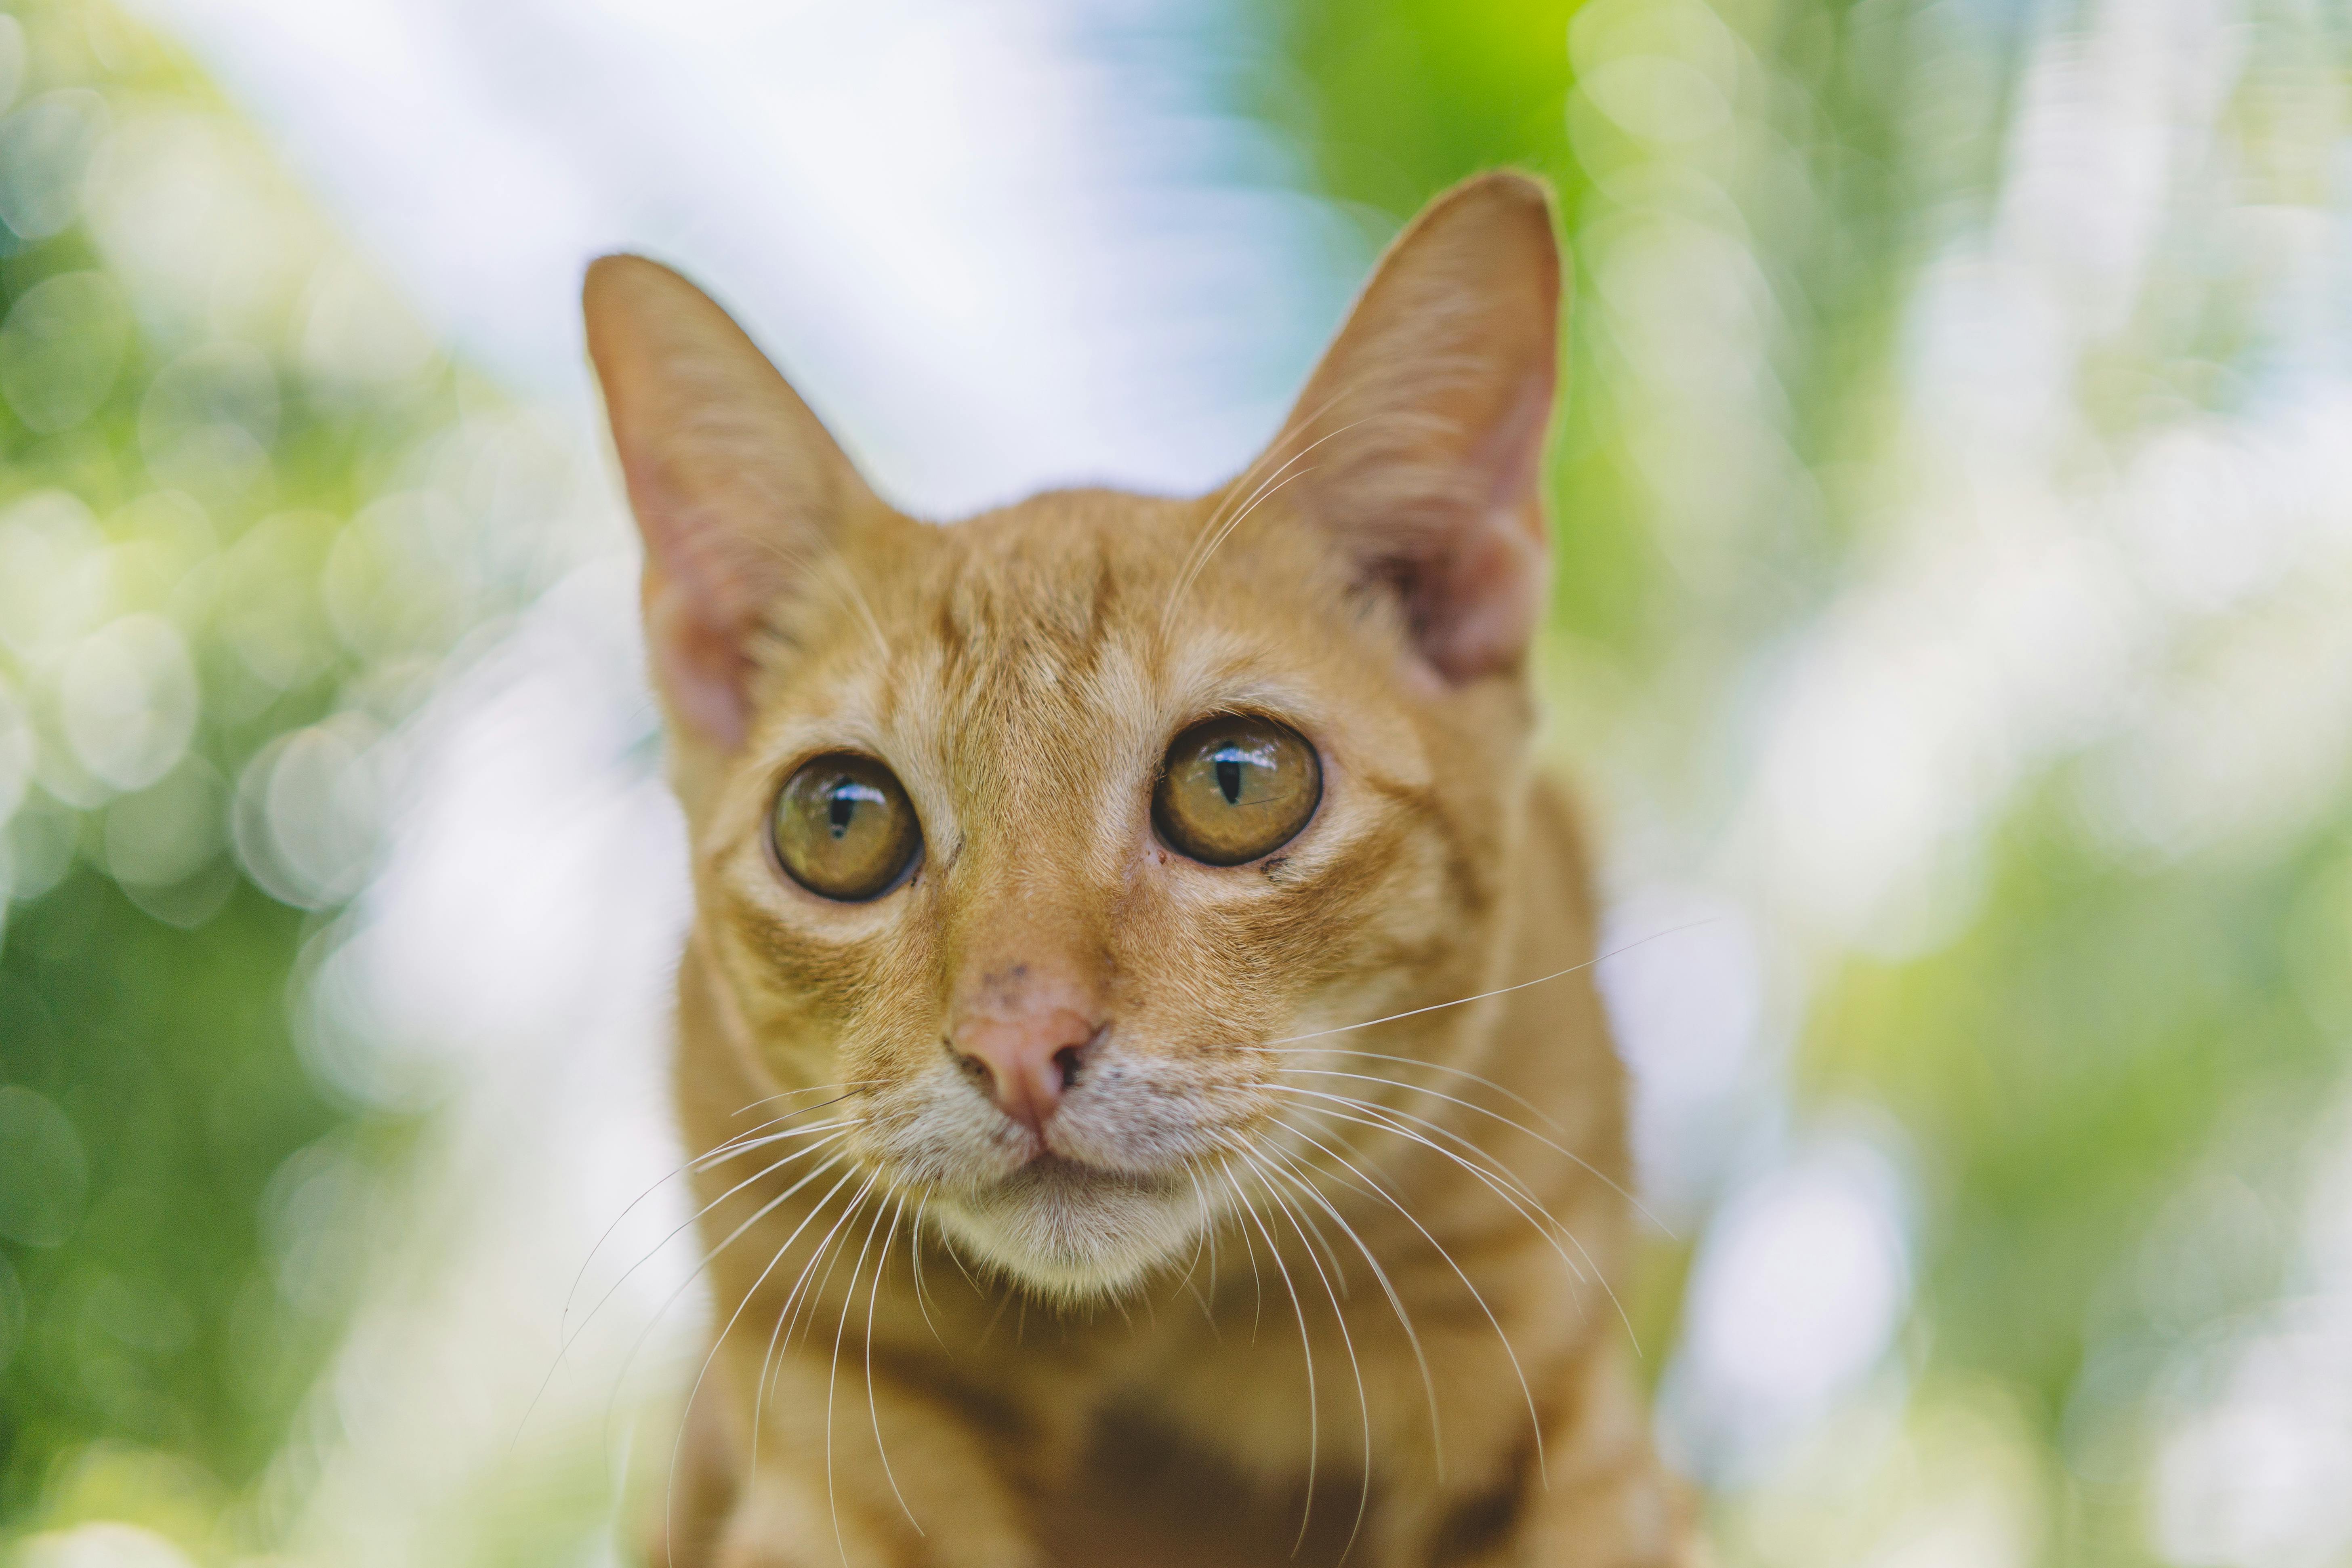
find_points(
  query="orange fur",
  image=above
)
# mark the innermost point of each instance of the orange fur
(943, 1338)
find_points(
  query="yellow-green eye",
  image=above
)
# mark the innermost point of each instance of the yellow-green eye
(1234, 788)
(844, 828)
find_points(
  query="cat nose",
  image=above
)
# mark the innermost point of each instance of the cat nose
(1029, 1059)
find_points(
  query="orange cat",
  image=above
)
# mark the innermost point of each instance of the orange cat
(1151, 1108)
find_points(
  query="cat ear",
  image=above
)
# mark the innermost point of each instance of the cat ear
(735, 484)
(1419, 440)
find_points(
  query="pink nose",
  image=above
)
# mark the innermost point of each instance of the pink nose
(1031, 1059)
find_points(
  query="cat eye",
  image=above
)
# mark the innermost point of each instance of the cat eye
(844, 828)
(1235, 787)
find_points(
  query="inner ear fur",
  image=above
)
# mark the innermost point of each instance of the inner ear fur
(737, 486)
(1419, 439)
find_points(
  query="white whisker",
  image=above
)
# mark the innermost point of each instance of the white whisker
(839, 1129)
(1396, 1302)
(1257, 1280)
(1492, 1115)
(832, 1261)
(818, 1088)
(566, 1335)
(759, 1388)
(1339, 1320)
(833, 1370)
(1306, 1350)
(1214, 531)
(1498, 990)
(1533, 1212)
(874, 1295)
(1534, 1421)
(720, 1338)
(915, 1261)
(1528, 1105)
(741, 1143)
(758, 1214)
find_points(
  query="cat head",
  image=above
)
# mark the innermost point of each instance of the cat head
(1041, 837)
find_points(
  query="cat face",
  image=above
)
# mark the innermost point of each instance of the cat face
(1036, 839)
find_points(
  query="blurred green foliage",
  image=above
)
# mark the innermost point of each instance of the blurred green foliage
(175, 470)
(2066, 1067)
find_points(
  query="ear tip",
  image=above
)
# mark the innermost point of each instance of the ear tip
(1515, 191)
(1523, 186)
(1508, 196)
(622, 270)
(1502, 213)
(1500, 226)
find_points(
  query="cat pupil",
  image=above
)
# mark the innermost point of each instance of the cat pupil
(842, 808)
(1229, 780)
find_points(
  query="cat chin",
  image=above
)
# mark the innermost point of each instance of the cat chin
(1074, 1238)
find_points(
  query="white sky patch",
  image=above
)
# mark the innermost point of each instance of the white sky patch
(1796, 1295)
(993, 253)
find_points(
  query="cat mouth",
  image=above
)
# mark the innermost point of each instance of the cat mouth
(1049, 1175)
(1071, 1228)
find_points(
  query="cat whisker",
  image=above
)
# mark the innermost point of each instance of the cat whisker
(1003, 1301)
(872, 1296)
(1320, 1241)
(1493, 1165)
(1520, 1099)
(1492, 1115)
(1214, 531)
(832, 1369)
(808, 1292)
(695, 1271)
(1265, 492)
(1387, 1288)
(1493, 1173)
(1193, 1289)
(1206, 1241)
(742, 1142)
(1535, 1422)
(839, 1129)
(1257, 1280)
(956, 1257)
(1306, 1350)
(846, 583)
(1498, 990)
(1211, 1229)
(1297, 428)
(1505, 1183)
(567, 1336)
(805, 564)
(1393, 1121)
(1533, 1212)
(785, 1246)
(818, 1088)
(1339, 1320)
(677, 1447)
(768, 1358)
(915, 1262)
(1196, 558)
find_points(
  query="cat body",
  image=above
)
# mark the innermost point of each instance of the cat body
(1137, 1035)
